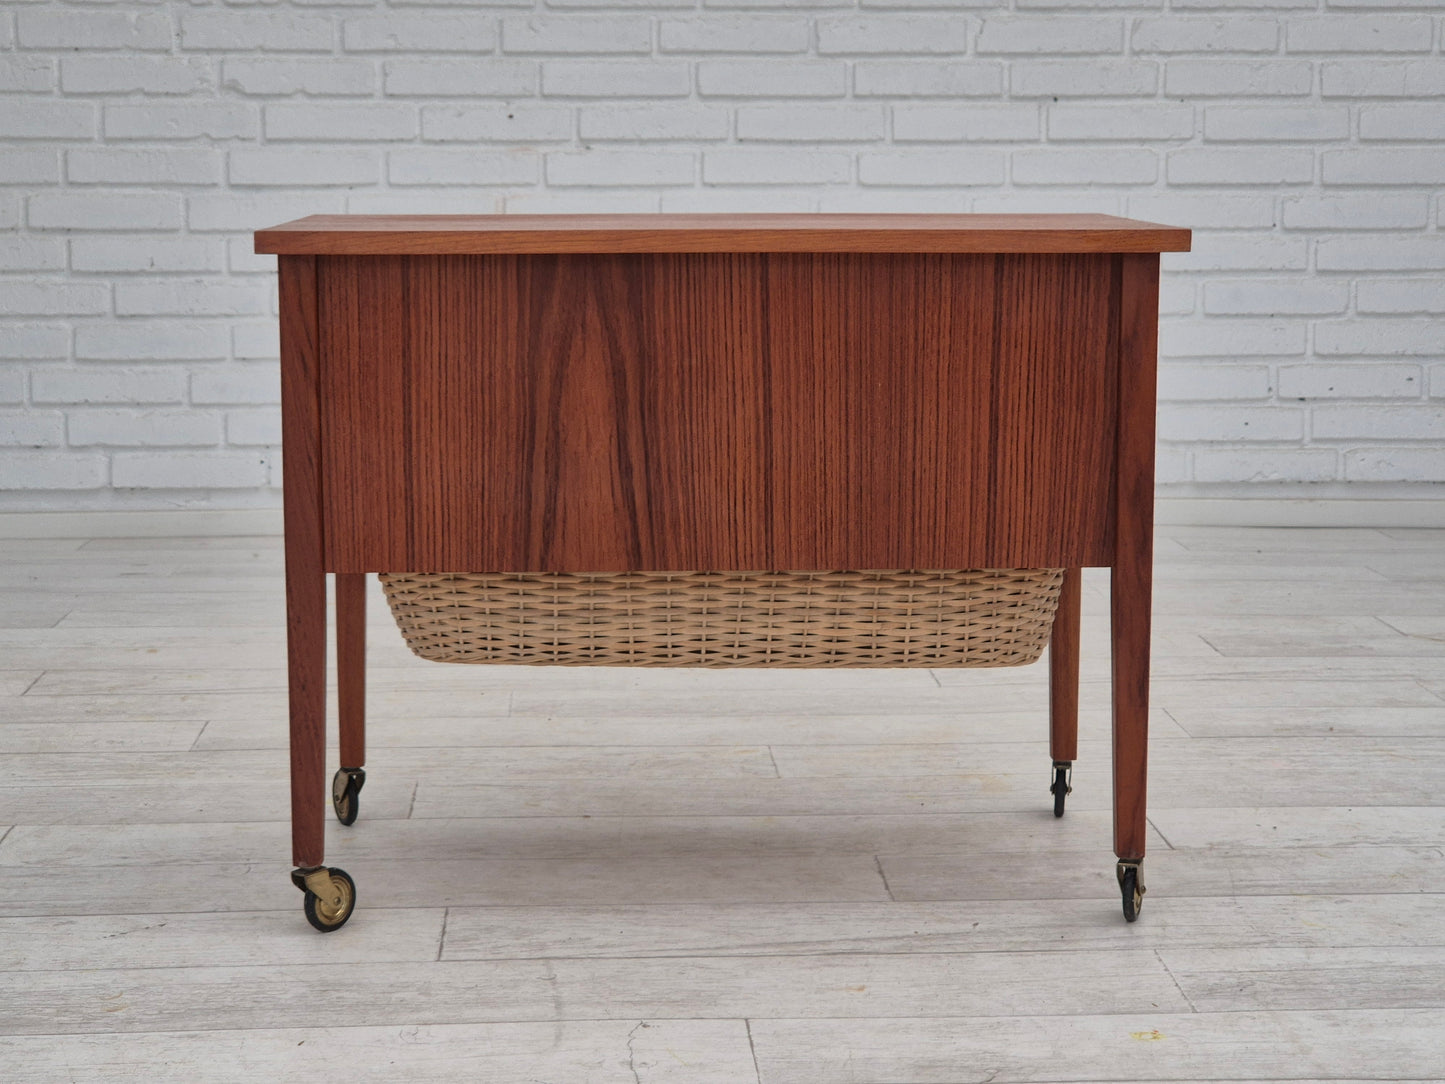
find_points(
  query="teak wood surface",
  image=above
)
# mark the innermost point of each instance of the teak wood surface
(601, 393)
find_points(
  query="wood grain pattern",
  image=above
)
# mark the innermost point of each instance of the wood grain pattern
(354, 235)
(1130, 592)
(305, 580)
(729, 411)
(1064, 670)
(351, 667)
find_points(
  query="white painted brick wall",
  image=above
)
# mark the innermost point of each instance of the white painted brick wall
(1302, 342)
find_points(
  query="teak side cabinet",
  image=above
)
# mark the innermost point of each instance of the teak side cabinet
(609, 393)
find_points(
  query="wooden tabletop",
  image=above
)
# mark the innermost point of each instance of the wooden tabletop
(356, 235)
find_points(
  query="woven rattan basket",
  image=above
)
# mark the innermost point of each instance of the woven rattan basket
(989, 617)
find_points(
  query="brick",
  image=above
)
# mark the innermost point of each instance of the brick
(257, 30)
(324, 78)
(261, 339)
(1276, 124)
(425, 166)
(1385, 254)
(512, 122)
(1384, 165)
(1415, 338)
(32, 254)
(927, 79)
(189, 470)
(1377, 295)
(254, 427)
(577, 34)
(114, 166)
(410, 32)
(620, 167)
(12, 386)
(236, 211)
(1231, 338)
(733, 34)
(152, 254)
(1213, 381)
(1217, 78)
(43, 28)
(658, 4)
(771, 78)
(144, 428)
(1241, 252)
(970, 166)
(34, 342)
(1359, 34)
(1102, 78)
(32, 428)
(136, 75)
(242, 259)
(1367, 381)
(758, 166)
(1266, 465)
(1191, 34)
(482, 77)
(582, 201)
(1054, 35)
(1205, 211)
(108, 385)
(1176, 296)
(1375, 211)
(965, 122)
(714, 200)
(53, 297)
(654, 122)
(1209, 422)
(335, 122)
(47, 120)
(914, 34)
(51, 470)
(150, 340)
(26, 74)
(808, 123)
(1383, 79)
(1027, 201)
(1415, 121)
(749, 4)
(30, 166)
(1074, 167)
(1395, 464)
(202, 298)
(1233, 5)
(1219, 165)
(1121, 121)
(1366, 422)
(641, 78)
(1265, 297)
(163, 120)
(236, 384)
(264, 166)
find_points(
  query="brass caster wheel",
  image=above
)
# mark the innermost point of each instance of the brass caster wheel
(330, 896)
(1062, 785)
(346, 786)
(1131, 887)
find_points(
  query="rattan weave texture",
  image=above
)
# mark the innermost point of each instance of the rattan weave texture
(977, 617)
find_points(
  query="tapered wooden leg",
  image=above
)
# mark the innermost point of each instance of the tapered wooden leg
(1064, 672)
(306, 659)
(305, 578)
(1138, 286)
(351, 666)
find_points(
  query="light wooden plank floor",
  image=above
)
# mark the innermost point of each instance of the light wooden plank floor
(767, 877)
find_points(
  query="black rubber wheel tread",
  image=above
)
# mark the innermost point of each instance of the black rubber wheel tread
(347, 804)
(1133, 894)
(1060, 790)
(321, 917)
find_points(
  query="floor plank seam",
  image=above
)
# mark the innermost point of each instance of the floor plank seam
(1161, 834)
(411, 808)
(199, 734)
(1174, 979)
(752, 1049)
(878, 864)
(442, 940)
(33, 683)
